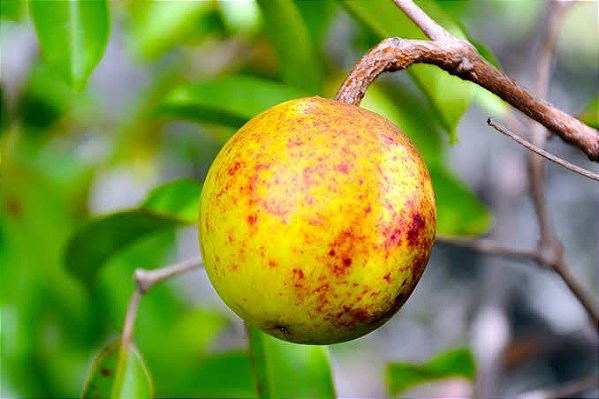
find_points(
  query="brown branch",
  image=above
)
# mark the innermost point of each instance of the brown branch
(549, 256)
(460, 58)
(569, 390)
(144, 281)
(576, 169)
(536, 172)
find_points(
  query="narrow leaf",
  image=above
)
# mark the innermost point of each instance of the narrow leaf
(286, 370)
(230, 101)
(290, 37)
(451, 364)
(72, 35)
(157, 26)
(118, 372)
(173, 205)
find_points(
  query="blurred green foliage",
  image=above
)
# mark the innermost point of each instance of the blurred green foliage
(205, 68)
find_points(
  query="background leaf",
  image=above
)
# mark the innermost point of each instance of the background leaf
(158, 26)
(453, 363)
(590, 114)
(118, 372)
(230, 101)
(73, 35)
(290, 37)
(286, 370)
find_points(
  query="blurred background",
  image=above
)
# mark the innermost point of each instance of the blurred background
(176, 80)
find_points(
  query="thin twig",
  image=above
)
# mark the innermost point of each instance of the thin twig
(548, 257)
(542, 69)
(429, 26)
(460, 58)
(144, 281)
(490, 247)
(571, 389)
(576, 169)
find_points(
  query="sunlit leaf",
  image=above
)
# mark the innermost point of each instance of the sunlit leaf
(222, 375)
(12, 9)
(449, 95)
(453, 363)
(590, 114)
(286, 370)
(289, 35)
(459, 212)
(157, 26)
(118, 372)
(317, 17)
(179, 198)
(230, 101)
(72, 35)
(173, 205)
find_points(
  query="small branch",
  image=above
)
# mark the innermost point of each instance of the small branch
(542, 69)
(460, 58)
(576, 169)
(490, 247)
(429, 26)
(144, 281)
(571, 389)
(130, 318)
(549, 255)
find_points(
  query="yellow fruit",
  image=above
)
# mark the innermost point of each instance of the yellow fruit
(317, 219)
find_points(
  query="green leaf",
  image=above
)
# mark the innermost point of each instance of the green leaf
(105, 236)
(590, 114)
(317, 17)
(290, 37)
(286, 370)
(72, 35)
(459, 212)
(449, 95)
(179, 198)
(223, 375)
(12, 9)
(118, 372)
(167, 207)
(453, 363)
(230, 101)
(157, 26)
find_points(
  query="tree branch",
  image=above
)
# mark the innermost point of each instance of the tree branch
(576, 169)
(547, 256)
(460, 58)
(144, 281)
(571, 389)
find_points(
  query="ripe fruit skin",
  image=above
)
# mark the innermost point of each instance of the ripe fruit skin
(317, 219)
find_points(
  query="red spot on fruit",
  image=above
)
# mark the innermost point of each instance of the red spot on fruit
(360, 315)
(332, 252)
(342, 168)
(415, 230)
(299, 273)
(387, 277)
(272, 263)
(347, 262)
(233, 169)
(252, 219)
(393, 238)
(234, 266)
(368, 209)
